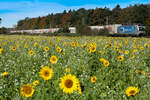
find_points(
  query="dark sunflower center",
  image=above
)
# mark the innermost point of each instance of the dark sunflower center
(120, 58)
(106, 63)
(27, 89)
(68, 83)
(94, 79)
(132, 92)
(54, 59)
(46, 73)
(93, 48)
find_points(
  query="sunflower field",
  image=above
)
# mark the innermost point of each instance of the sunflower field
(74, 68)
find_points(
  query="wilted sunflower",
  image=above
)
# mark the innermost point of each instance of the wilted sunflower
(53, 59)
(93, 79)
(46, 73)
(46, 48)
(120, 58)
(131, 91)
(27, 90)
(31, 52)
(69, 83)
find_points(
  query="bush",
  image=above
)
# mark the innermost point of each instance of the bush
(3, 30)
(84, 30)
(104, 32)
(64, 30)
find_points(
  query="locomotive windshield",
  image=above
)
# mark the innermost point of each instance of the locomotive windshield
(141, 29)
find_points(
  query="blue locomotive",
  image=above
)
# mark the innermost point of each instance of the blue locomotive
(132, 29)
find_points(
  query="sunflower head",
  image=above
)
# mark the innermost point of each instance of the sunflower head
(67, 69)
(13, 48)
(31, 52)
(46, 48)
(1, 50)
(127, 52)
(132, 56)
(131, 91)
(102, 60)
(53, 59)
(46, 73)
(92, 48)
(35, 83)
(27, 90)
(106, 63)
(120, 58)
(58, 49)
(69, 83)
(137, 71)
(4, 74)
(93, 79)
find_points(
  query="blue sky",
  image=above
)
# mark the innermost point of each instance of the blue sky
(13, 10)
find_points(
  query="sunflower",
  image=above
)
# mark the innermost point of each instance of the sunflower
(141, 48)
(1, 50)
(25, 46)
(135, 50)
(67, 69)
(46, 48)
(27, 90)
(4, 74)
(58, 49)
(106, 63)
(53, 59)
(31, 52)
(92, 48)
(137, 71)
(127, 52)
(101, 52)
(89, 51)
(131, 91)
(35, 83)
(132, 56)
(120, 58)
(46, 73)
(102, 60)
(13, 48)
(69, 83)
(93, 79)
(143, 72)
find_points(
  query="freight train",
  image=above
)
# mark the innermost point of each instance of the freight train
(113, 29)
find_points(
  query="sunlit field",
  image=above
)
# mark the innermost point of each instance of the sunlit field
(74, 68)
